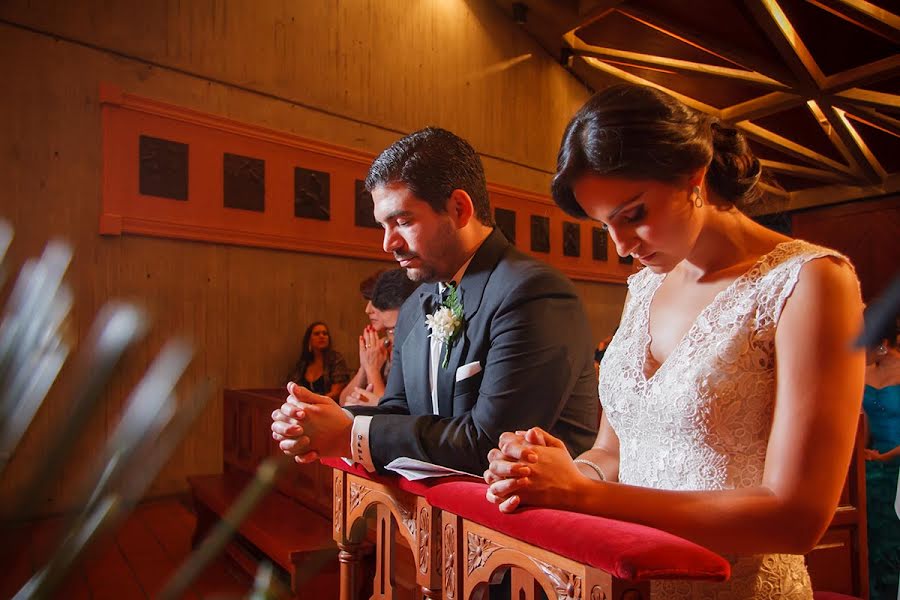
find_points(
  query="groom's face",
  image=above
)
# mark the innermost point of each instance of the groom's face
(423, 241)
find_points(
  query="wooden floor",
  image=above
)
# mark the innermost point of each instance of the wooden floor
(136, 563)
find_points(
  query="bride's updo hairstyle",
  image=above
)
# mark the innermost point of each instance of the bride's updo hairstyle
(637, 132)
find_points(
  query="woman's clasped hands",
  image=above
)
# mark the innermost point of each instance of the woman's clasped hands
(533, 468)
(373, 351)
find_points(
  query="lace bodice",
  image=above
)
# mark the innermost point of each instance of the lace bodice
(702, 420)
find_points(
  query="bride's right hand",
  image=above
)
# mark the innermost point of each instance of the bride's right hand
(511, 461)
(503, 465)
(533, 469)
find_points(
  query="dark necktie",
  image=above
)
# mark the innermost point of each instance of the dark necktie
(437, 298)
(448, 287)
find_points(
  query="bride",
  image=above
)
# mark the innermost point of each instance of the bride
(730, 391)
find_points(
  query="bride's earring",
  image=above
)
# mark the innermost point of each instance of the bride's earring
(881, 350)
(696, 197)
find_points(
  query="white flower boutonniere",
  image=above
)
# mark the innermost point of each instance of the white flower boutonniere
(446, 322)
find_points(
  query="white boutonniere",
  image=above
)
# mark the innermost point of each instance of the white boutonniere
(446, 322)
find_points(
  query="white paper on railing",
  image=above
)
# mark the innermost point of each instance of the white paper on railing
(414, 469)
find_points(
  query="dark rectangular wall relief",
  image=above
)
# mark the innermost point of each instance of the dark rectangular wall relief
(312, 194)
(571, 239)
(506, 221)
(363, 208)
(162, 168)
(599, 239)
(540, 234)
(244, 184)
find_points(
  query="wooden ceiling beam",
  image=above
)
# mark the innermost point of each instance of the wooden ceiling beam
(870, 98)
(862, 75)
(854, 144)
(761, 107)
(872, 118)
(787, 42)
(865, 15)
(835, 194)
(843, 143)
(594, 10)
(581, 49)
(773, 140)
(631, 78)
(774, 190)
(807, 172)
(706, 41)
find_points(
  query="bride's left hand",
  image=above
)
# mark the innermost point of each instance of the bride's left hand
(551, 474)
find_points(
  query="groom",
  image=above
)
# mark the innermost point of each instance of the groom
(492, 340)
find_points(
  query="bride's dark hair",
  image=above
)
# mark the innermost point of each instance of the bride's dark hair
(637, 132)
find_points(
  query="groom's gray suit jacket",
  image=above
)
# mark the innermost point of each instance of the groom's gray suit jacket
(526, 327)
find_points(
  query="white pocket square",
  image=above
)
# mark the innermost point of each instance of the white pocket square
(466, 371)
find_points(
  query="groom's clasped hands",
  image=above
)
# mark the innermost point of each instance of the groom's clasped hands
(309, 426)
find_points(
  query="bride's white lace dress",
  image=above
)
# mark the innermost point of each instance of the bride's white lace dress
(702, 420)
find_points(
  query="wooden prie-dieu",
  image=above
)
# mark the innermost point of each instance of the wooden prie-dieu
(441, 539)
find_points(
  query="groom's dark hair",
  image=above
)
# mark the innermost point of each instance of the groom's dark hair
(432, 163)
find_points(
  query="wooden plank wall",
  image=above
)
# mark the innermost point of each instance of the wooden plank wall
(354, 73)
(867, 232)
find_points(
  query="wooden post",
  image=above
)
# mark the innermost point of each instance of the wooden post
(428, 550)
(385, 548)
(350, 557)
(452, 552)
(523, 585)
(351, 552)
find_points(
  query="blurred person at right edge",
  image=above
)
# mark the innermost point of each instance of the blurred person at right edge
(881, 403)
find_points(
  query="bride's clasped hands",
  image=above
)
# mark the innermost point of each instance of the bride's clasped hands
(533, 468)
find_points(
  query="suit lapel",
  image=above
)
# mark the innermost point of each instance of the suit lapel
(447, 376)
(417, 347)
(479, 272)
(471, 287)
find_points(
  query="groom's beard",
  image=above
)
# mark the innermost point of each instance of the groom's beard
(437, 267)
(425, 273)
(418, 274)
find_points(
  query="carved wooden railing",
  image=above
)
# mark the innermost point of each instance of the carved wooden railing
(838, 563)
(460, 545)
(486, 553)
(396, 511)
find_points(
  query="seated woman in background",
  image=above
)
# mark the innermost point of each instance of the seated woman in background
(881, 403)
(731, 391)
(391, 289)
(320, 368)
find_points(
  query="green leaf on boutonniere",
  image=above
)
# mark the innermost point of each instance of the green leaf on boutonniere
(454, 304)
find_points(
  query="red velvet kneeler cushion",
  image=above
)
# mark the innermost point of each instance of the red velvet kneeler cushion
(625, 550)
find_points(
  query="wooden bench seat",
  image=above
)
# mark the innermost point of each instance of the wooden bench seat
(291, 535)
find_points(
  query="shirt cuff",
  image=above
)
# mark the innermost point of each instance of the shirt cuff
(359, 442)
